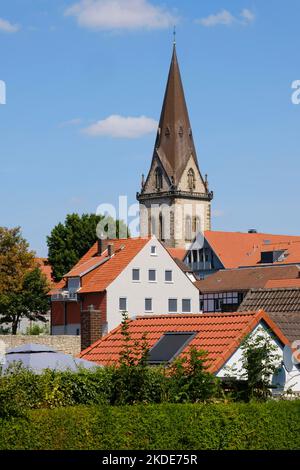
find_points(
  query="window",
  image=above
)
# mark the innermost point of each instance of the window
(153, 250)
(196, 225)
(186, 305)
(191, 179)
(74, 283)
(135, 274)
(169, 346)
(172, 305)
(148, 305)
(158, 179)
(123, 304)
(152, 275)
(188, 228)
(161, 228)
(168, 276)
(153, 226)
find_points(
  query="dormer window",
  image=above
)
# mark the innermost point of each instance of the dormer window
(180, 131)
(191, 179)
(167, 132)
(158, 179)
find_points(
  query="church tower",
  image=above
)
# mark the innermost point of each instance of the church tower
(175, 198)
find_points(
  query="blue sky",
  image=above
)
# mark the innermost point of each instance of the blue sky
(69, 64)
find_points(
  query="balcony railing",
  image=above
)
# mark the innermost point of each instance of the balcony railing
(64, 296)
(176, 193)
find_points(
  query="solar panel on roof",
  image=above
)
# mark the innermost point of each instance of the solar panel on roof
(169, 346)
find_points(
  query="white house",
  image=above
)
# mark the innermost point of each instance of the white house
(134, 275)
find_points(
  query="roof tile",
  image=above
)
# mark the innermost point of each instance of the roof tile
(218, 334)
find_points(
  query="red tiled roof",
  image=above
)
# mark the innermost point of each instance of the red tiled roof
(235, 249)
(99, 278)
(279, 283)
(218, 334)
(45, 268)
(244, 279)
(178, 253)
(84, 267)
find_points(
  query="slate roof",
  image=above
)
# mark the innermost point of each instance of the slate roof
(282, 305)
(174, 143)
(244, 279)
(272, 300)
(218, 334)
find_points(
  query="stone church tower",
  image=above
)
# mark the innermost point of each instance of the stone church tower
(174, 199)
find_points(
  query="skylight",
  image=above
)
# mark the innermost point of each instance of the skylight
(169, 346)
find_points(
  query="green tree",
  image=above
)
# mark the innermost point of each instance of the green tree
(70, 240)
(23, 287)
(30, 301)
(15, 260)
(190, 380)
(260, 361)
(131, 375)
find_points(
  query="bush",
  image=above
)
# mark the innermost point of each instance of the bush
(265, 426)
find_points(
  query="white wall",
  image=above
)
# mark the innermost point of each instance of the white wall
(159, 291)
(292, 379)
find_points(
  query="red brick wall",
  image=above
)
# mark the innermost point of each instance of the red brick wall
(96, 299)
(58, 315)
(73, 309)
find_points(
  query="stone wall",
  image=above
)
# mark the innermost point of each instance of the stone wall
(66, 344)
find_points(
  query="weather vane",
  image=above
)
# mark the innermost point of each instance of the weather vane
(174, 35)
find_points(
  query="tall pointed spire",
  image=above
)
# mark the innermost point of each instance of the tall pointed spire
(174, 183)
(174, 143)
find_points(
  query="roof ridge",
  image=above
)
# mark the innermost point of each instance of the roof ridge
(193, 315)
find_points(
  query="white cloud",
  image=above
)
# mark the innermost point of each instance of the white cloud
(224, 17)
(122, 127)
(71, 122)
(7, 27)
(120, 14)
(248, 16)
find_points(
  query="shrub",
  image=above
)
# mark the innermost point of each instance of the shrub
(264, 426)
(190, 381)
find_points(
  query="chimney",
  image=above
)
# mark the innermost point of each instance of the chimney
(102, 245)
(91, 326)
(110, 249)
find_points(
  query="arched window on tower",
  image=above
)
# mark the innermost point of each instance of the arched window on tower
(161, 228)
(153, 230)
(196, 225)
(188, 228)
(158, 179)
(191, 179)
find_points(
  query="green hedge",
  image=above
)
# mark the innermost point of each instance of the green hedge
(271, 425)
